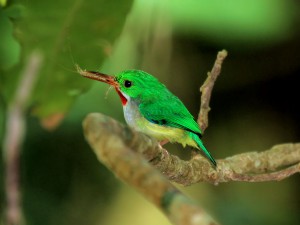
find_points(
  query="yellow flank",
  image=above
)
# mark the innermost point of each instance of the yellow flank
(161, 132)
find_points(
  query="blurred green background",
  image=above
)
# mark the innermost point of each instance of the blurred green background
(255, 103)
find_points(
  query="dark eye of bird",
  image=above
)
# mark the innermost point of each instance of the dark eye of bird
(127, 83)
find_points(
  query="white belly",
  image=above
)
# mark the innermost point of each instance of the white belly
(131, 114)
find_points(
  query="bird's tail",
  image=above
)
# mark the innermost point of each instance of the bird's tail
(197, 139)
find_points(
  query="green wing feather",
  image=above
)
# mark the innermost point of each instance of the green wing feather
(168, 110)
(201, 145)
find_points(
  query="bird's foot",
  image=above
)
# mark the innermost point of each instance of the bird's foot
(163, 142)
(194, 153)
(165, 153)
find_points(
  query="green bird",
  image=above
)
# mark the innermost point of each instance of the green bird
(149, 107)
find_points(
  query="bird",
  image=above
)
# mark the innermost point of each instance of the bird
(150, 108)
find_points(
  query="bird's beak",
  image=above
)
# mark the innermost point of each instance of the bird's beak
(98, 76)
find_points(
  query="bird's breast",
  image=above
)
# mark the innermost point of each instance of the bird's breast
(135, 120)
(131, 114)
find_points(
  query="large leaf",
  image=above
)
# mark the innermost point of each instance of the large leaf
(66, 32)
(9, 46)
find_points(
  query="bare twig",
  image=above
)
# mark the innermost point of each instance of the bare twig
(14, 133)
(116, 153)
(207, 88)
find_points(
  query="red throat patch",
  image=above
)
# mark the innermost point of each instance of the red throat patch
(123, 99)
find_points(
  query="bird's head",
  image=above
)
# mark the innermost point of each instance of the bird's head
(134, 84)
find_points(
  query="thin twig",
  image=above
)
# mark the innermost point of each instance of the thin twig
(116, 153)
(206, 90)
(14, 134)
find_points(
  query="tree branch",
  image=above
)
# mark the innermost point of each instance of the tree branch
(207, 88)
(116, 146)
(277, 163)
(14, 134)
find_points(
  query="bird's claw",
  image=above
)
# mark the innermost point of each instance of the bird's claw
(163, 142)
(165, 153)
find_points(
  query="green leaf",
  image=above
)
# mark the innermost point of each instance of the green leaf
(70, 32)
(15, 11)
(67, 33)
(3, 3)
(9, 46)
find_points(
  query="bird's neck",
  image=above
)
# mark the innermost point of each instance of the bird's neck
(130, 108)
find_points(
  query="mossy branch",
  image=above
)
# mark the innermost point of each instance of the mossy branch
(277, 163)
(118, 148)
